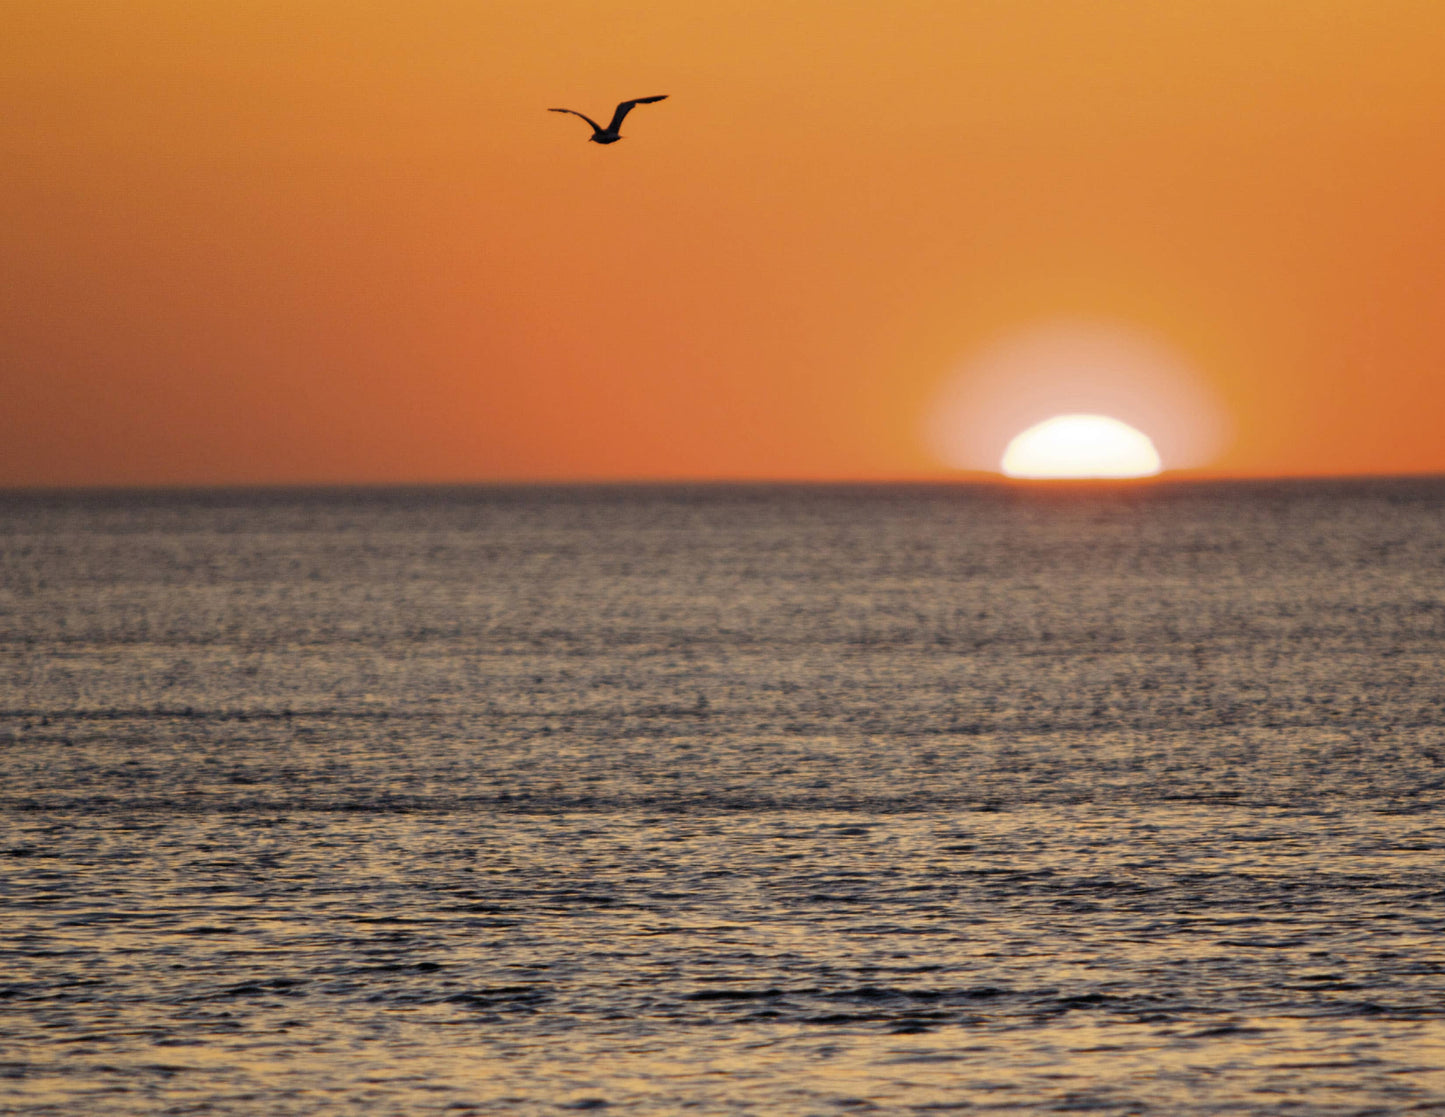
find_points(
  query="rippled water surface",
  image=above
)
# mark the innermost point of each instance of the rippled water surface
(729, 800)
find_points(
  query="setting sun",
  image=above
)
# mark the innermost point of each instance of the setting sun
(1081, 446)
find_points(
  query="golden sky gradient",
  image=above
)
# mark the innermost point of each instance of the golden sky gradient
(344, 241)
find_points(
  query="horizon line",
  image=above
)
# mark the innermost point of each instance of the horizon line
(964, 479)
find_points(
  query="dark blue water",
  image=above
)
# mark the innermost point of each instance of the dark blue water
(724, 800)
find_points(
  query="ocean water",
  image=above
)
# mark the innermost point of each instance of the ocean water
(716, 800)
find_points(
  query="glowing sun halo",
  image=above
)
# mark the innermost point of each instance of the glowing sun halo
(1081, 446)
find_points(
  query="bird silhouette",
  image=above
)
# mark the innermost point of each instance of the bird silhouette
(610, 134)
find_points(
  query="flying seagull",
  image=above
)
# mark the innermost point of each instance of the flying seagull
(609, 135)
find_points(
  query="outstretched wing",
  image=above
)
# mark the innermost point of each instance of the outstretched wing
(627, 106)
(595, 126)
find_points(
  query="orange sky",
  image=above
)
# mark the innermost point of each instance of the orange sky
(343, 241)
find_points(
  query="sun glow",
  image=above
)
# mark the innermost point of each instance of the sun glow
(1081, 446)
(1064, 367)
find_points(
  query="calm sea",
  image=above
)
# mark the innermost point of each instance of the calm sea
(724, 800)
